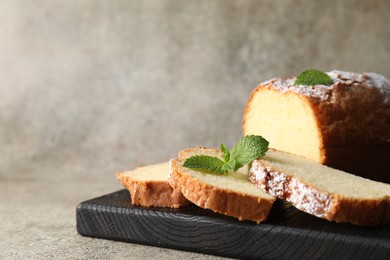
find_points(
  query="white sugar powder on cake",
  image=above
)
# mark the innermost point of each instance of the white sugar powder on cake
(280, 185)
(382, 83)
(323, 92)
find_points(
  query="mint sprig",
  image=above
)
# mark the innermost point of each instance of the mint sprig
(313, 77)
(247, 149)
(205, 163)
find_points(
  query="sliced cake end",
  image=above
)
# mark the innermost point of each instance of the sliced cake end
(322, 191)
(148, 186)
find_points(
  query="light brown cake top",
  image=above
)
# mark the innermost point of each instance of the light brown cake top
(340, 78)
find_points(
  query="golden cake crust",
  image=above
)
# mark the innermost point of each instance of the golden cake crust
(152, 193)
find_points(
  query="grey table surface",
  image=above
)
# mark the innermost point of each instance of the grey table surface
(37, 217)
(88, 88)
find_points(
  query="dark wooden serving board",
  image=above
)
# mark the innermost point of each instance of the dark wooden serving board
(287, 234)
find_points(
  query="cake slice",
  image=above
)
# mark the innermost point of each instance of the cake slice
(322, 191)
(148, 186)
(231, 194)
(344, 125)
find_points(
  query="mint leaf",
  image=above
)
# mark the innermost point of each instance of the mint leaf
(313, 77)
(247, 149)
(205, 163)
(225, 153)
(229, 166)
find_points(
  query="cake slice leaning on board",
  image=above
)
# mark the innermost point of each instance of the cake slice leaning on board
(322, 191)
(231, 194)
(149, 187)
(345, 125)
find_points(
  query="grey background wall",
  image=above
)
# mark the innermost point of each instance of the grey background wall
(88, 88)
(116, 84)
(110, 85)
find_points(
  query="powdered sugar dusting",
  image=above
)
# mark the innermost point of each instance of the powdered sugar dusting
(382, 83)
(281, 185)
(287, 85)
(323, 92)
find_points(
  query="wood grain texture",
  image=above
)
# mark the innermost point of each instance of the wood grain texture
(287, 234)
